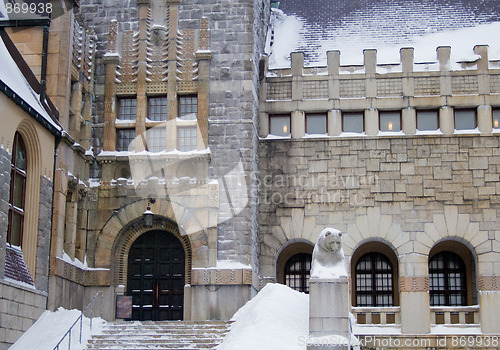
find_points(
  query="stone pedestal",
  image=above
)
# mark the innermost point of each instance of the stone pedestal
(328, 313)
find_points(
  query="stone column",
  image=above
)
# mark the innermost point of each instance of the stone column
(443, 55)
(297, 69)
(298, 124)
(409, 116)
(111, 60)
(173, 9)
(483, 69)
(485, 119)
(203, 56)
(334, 122)
(446, 120)
(414, 294)
(370, 62)
(329, 307)
(371, 122)
(333, 58)
(142, 101)
(489, 292)
(407, 57)
(70, 229)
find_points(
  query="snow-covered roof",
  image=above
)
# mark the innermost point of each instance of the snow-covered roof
(317, 26)
(13, 78)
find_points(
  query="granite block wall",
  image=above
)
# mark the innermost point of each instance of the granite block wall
(407, 191)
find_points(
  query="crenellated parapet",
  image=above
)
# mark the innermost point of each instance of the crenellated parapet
(403, 86)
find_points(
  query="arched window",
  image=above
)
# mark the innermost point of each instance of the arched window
(297, 272)
(447, 280)
(374, 280)
(17, 192)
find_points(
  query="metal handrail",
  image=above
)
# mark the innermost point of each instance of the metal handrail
(80, 319)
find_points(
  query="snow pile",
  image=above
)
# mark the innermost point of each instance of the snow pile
(277, 318)
(49, 329)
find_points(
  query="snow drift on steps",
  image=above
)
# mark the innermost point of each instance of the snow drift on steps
(51, 327)
(277, 318)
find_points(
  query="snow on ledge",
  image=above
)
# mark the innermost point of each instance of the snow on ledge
(77, 263)
(226, 265)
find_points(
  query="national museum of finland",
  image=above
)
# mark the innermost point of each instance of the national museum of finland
(157, 151)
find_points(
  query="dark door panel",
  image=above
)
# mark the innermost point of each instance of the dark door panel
(156, 277)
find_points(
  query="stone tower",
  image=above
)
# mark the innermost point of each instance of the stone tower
(175, 130)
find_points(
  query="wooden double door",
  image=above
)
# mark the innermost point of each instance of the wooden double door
(156, 277)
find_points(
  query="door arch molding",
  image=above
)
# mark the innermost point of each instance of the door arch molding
(129, 234)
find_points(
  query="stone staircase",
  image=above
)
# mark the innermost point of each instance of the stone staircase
(194, 335)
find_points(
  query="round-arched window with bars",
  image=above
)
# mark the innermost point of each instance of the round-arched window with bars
(447, 280)
(374, 281)
(298, 271)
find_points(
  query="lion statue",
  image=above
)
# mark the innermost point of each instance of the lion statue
(328, 259)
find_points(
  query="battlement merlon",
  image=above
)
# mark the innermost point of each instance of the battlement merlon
(406, 63)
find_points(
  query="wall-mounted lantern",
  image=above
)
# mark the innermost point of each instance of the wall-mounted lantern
(148, 214)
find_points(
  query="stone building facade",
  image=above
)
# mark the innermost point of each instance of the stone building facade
(29, 135)
(399, 191)
(172, 114)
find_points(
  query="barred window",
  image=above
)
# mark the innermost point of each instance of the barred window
(297, 272)
(374, 281)
(127, 108)
(125, 137)
(447, 280)
(188, 107)
(186, 138)
(157, 108)
(17, 192)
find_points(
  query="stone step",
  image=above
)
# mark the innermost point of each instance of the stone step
(169, 335)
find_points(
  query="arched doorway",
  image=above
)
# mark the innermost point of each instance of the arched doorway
(156, 277)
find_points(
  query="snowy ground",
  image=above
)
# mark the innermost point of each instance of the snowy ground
(277, 318)
(51, 327)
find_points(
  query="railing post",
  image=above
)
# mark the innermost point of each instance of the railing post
(81, 326)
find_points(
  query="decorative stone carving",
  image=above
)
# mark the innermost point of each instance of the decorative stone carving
(328, 260)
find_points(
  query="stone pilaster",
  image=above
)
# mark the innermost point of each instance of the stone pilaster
(111, 61)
